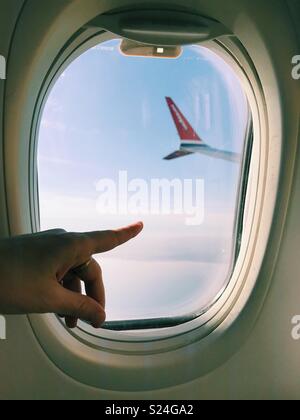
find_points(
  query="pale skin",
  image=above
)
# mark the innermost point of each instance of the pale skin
(37, 273)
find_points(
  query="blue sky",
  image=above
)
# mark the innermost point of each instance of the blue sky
(108, 113)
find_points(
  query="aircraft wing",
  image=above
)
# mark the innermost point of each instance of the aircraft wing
(178, 154)
(191, 143)
(184, 128)
(220, 154)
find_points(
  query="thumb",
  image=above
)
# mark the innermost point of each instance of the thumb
(79, 306)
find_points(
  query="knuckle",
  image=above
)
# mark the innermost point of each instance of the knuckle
(57, 231)
(70, 240)
(83, 239)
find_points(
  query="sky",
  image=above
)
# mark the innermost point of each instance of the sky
(107, 113)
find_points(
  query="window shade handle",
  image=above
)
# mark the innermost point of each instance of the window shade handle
(159, 27)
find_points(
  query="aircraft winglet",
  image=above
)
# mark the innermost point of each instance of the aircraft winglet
(185, 130)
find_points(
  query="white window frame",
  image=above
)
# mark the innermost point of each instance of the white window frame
(198, 317)
(108, 361)
(85, 331)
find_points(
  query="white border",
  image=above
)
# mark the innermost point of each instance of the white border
(150, 365)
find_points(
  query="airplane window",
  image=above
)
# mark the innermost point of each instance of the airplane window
(126, 138)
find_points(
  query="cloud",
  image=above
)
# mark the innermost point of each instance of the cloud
(136, 290)
(165, 238)
(146, 113)
(53, 125)
(56, 161)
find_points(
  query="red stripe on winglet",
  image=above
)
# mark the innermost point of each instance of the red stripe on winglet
(185, 130)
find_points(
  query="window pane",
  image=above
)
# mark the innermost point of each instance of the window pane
(107, 126)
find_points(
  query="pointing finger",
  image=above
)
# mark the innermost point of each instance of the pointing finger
(102, 241)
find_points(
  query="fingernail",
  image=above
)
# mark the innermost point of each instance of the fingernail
(140, 225)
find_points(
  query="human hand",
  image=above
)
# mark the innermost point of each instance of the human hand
(38, 273)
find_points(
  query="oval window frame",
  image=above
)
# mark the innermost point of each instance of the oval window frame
(174, 338)
(71, 355)
(216, 306)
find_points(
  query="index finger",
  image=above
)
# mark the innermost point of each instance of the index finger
(104, 241)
